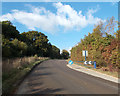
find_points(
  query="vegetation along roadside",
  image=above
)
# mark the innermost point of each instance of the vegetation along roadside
(12, 79)
(103, 47)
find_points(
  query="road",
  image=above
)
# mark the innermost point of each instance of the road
(54, 77)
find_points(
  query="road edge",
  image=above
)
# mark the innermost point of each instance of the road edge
(17, 84)
(109, 78)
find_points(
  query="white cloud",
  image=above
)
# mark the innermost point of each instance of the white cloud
(7, 17)
(65, 17)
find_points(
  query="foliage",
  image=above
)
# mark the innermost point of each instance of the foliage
(28, 43)
(55, 52)
(65, 54)
(9, 31)
(102, 46)
(11, 79)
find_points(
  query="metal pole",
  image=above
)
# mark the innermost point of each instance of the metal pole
(95, 64)
(85, 55)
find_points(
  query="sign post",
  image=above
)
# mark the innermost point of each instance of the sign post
(85, 53)
(95, 64)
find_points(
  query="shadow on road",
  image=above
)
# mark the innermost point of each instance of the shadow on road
(40, 82)
(41, 68)
(35, 83)
(41, 74)
(46, 91)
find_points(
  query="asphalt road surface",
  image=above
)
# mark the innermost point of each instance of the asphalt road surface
(54, 77)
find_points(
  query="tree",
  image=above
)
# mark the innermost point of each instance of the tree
(37, 41)
(19, 48)
(6, 47)
(9, 31)
(55, 52)
(102, 45)
(65, 54)
(28, 43)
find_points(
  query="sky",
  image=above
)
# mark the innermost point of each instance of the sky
(65, 23)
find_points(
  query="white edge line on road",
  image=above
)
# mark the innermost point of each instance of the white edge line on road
(106, 77)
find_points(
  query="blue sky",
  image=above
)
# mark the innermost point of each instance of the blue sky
(65, 23)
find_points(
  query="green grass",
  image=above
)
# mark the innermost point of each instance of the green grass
(9, 80)
(114, 74)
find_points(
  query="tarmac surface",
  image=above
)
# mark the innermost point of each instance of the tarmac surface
(94, 73)
(54, 77)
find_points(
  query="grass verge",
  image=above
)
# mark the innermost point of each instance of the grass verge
(11, 80)
(114, 74)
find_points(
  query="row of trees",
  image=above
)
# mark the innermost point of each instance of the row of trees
(28, 43)
(102, 45)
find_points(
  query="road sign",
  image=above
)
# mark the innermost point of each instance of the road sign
(85, 53)
(90, 62)
(70, 62)
(86, 62)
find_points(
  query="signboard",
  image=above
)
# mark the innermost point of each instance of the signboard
(91, 62)
(88, 62)
(85, 53)
(70, 62)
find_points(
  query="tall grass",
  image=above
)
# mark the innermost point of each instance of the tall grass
(9, 64)
(15, 69)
